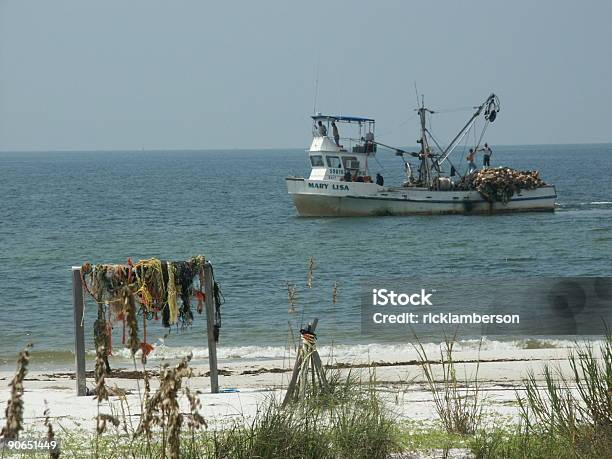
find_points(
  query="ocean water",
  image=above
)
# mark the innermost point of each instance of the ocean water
(59, 209)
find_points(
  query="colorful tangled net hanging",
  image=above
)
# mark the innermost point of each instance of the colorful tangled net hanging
(156, 286)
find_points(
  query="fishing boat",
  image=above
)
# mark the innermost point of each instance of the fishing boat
(340, 182)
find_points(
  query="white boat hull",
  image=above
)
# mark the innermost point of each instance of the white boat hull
(313, 198)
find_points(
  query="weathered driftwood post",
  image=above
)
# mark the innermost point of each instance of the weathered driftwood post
(209, 300)
(307, 359)
(79, 334)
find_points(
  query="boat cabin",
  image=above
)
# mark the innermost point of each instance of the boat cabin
(343, 156)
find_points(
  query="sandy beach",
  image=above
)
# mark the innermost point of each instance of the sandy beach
(249, 384)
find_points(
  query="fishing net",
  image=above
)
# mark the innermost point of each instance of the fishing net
(150, 288)
(500, 183)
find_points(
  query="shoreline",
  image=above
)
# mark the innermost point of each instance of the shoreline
(250, 354)
(250, 384)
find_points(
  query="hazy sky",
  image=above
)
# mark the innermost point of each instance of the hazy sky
(131, 74)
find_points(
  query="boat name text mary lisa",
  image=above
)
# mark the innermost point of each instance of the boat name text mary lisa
(335, 186)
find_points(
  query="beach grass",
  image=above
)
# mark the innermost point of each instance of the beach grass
(567, 417)
(458, 401)
(419, 436)
(348, 421)
(560, 416)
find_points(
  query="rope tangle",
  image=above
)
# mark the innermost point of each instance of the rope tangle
(154, 288)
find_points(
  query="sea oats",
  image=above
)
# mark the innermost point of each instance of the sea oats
(14, 406)
(53, 454)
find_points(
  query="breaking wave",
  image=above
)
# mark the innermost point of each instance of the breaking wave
(345, 352)
(349, 353)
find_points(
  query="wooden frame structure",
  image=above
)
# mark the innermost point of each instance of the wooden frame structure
(305, 362)
(79, 329)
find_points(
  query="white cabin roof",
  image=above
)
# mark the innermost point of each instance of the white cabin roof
(342, 118)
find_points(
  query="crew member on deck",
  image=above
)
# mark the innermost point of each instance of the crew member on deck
(486, 160)
(470, 157)
(369, 142)
(380, 180)
(322, 129)
(336, 133)
(347, 176)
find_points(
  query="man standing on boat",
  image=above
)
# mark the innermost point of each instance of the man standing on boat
(486, 160)
(336, 133)
(470, 157)
(322, 129)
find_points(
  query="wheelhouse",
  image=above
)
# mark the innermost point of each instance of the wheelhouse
(341, 147)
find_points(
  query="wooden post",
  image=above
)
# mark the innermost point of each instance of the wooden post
(79, 334)
(209, 291)
(296, 368)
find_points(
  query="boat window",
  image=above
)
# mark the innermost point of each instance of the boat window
(316, 161)
(333, 161)
(350, 162)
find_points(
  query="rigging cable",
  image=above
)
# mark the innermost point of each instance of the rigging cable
(463, 153)
(440, 148)
(379, 163)
(316, 88)
(484, 129)
(454, 110)
(393, 129)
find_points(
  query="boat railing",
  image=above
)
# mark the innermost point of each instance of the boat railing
(351, 144)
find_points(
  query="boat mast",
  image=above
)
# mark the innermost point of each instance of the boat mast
(425, 169)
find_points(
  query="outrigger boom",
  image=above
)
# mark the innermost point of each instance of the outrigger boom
(493, 107)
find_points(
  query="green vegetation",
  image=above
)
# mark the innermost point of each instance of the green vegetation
(458, 402)
(349, 421)
(354, 425)
(567, 418)
(561, 417)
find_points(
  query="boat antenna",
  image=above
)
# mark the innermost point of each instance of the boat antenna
(316, 88)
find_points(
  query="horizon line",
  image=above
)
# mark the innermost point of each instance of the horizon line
(175, 149)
